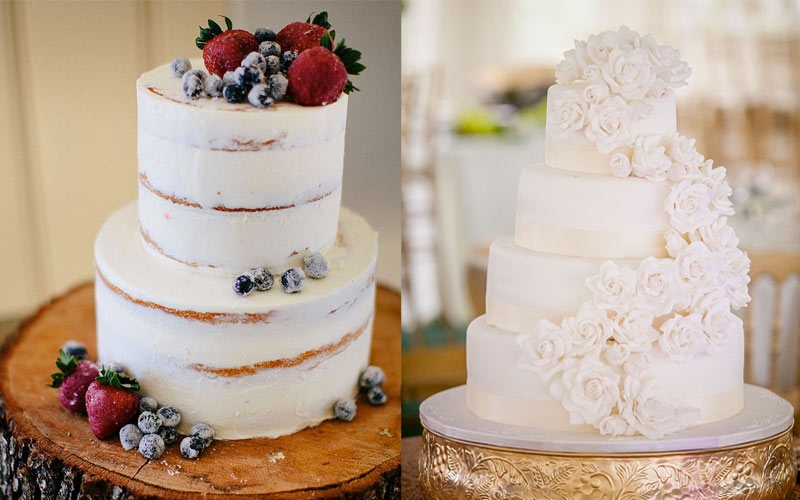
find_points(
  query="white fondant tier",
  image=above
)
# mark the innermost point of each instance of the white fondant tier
(219, 181)
(590, 215)
(524, 286)
(578, 154)
(498, 390)
(267, 364)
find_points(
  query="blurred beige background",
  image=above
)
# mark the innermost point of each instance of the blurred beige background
(68, 123)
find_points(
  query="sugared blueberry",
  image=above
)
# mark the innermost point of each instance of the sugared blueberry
(179, 66)
(152, 446)
(278, 85)
(345, 409)
(248, 75)
(228, 79)
(192, 447)
(293, 280)
(372, 376)
(115, 366)
(269, 48)
(256, 60)
(376, 395)
(315, 265)
(260, 96)
(193, 85)
(263, 279)
(242, 285)
(235, 93)
(213, 86)
(204, 432)
(168, 434)
(146, 403)
(149, 422)
(129, 436)
(264, 35)
(287, 58)
(75, 348)
(170, 417)
(273, 65)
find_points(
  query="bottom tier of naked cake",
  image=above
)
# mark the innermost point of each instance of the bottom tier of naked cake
(263, 365)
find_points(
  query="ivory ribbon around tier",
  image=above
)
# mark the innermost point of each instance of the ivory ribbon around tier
(590, 243)
(583, 158)
(514, 318)
(550, 415)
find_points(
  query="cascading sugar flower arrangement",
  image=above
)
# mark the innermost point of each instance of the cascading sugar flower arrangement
(677, 306)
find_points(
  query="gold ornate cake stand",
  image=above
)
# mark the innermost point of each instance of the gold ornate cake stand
(749, 456)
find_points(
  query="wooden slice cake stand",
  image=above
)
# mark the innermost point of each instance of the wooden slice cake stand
(48, 452)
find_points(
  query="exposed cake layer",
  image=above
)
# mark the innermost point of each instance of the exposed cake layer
(524, 286)
(267, 364)
(500, 391)
(590, 215)
(206, 165)
(575, 152)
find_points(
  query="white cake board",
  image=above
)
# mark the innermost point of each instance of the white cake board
(764, 415)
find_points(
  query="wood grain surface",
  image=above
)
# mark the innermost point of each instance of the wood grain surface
(48, 452)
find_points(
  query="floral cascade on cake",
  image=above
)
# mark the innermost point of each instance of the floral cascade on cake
(642, 265)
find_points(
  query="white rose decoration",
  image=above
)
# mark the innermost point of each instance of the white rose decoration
(735, 278)
(620, 165)
(595, 93)
(637, 363)
(650, 411)
(629, 39)
(649, 159)
(588, 390)
(599, 47)
(567, 115)
(718, 236)
(589, 329)
(682, 337)
(689, 206)
(719, 190)
(547, 349)
(686, 161)
(568, 70)
(675, 242)
(656, 287)
(609, 124)
(614, 425)
(612, 287)
(629, 73)
(634, 329)
(721, 326)
(616, 354)
(698, 267)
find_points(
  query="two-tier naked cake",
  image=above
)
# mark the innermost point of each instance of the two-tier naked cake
(224, 188)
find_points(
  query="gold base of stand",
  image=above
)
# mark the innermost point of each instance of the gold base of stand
(761, 470)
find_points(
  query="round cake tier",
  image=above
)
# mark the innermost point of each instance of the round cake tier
(229, 186)
(267, 364)
(590, 215)
(498, 390)
(523, 286)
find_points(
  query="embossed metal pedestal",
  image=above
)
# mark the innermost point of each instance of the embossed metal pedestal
(749, 456)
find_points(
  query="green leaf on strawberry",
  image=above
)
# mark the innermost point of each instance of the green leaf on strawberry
(66, 364)
(348, 55)
(320, 19)
(120, 380)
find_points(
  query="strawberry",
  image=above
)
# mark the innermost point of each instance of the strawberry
(224, 50)
(72, 380)
(111, 402)
(317, 77)
(300, 36)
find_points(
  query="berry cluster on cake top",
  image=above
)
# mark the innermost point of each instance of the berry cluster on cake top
(302, 62)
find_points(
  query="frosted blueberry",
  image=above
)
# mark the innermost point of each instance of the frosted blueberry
(260, 96)
(376, 395)
(278, 85)
(242, 285)
(149, 422)
(152, 446)
(204, 432)
(228, 79)
(179, 66)
(192, 447)
(115, 366)
(372, 376)
(264, 35)
(235, 93)
(129, 436)
(315, 265)
(293, 280)
(199, 73)
(168, 434)
(192, 85)
(146, 403)
(170, 417)
(273, 65)
(345, 409)
(256, 60)
(287, 58)
(74, 348)
(248, 75)
(263, 279)
(269, 48)
(213, 86)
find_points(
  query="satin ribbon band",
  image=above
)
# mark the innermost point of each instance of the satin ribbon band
(583, 158)
(590, 243)
(550, 415)
(515, 318)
